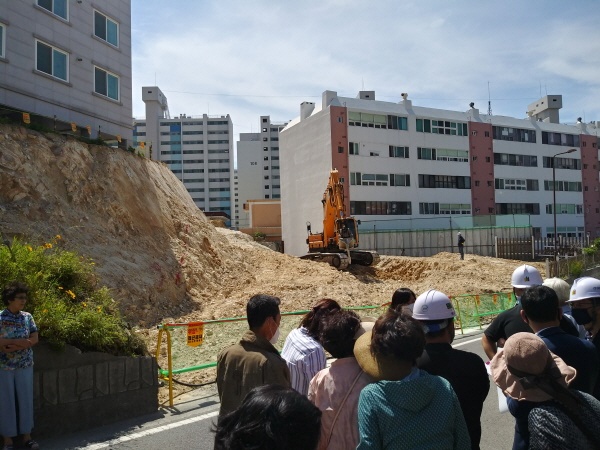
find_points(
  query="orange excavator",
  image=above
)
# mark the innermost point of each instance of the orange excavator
(337, 243)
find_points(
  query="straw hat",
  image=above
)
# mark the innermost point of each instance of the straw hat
(378, 367)
(525, 357)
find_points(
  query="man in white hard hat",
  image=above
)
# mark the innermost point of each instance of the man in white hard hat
(464, 370)
(585, 302)
(510, 322)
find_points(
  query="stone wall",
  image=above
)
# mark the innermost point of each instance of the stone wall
(75, 391)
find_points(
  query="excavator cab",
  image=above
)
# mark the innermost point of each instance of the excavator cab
(347, 233)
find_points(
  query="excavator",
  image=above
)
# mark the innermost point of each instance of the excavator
(337, 242)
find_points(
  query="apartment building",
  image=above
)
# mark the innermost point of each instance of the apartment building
(68, 62)
(199, 150)
(258, 168)
(398, 160)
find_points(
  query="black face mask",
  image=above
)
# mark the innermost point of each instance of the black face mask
(581, 316)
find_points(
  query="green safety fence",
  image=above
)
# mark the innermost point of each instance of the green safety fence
(473, 311)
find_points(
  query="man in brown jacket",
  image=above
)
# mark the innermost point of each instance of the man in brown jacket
(253, 361)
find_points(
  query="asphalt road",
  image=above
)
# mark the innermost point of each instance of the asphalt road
(188, 424)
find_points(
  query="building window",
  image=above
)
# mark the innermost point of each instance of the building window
(52, 61)
(568, 186)
(399, 179)
(107, 84)
(487, 134)
(442, 127)
(510, 159)
(442, 154)
(565, 208)
(2, 40)
(380, 208)
(518, 208)
(512, 184)
(398, 152)
(444, 208)
(563, 163)
(444, 181)
(353, 148)
(571, 140)
(340, 149)
(57, 7)
(106, 29)
(368, 179)
(514, 134)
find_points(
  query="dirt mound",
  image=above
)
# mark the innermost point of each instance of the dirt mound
(164, 260)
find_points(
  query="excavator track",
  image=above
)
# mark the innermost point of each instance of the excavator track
(364, 257)
(338, 260)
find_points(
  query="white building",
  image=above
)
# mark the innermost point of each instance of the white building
(68, 62)
(257, 168)
(199, 150)
(403, 161)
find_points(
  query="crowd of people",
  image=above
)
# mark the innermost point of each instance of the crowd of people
(396, 382)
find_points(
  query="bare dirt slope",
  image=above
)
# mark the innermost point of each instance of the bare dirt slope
(164, 260)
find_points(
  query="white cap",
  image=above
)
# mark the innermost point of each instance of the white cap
(584, 288)
(433, 305)
(526, 276)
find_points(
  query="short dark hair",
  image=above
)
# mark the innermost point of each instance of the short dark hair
(312, 320)
(402, 297)
(540, 304)
(337, 333)
(397, 334)
(271, 417)
(260, 307)
(12, 290)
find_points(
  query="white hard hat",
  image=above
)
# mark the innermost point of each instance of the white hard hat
(584, 288)
(526, 276)
(433, 305)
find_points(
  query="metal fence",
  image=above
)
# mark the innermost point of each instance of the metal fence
(180, 348)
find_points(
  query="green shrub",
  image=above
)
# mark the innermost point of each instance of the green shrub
(576, 268)
(259, 236)
(593, 248)
(68, 305)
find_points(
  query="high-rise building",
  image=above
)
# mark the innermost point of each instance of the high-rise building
(68, 62)
(198, 150)
(398, 161)
(257, 168)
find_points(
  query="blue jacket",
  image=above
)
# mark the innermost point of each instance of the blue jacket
(420, 413)
(576, 353)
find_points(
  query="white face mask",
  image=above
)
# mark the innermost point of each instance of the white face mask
(275, 337)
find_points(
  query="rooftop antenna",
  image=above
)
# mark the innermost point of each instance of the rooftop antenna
(363, 84)
(489, 101)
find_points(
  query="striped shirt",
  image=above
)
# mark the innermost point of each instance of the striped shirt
(304, 357)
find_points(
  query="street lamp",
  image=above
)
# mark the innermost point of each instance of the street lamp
(554, 207)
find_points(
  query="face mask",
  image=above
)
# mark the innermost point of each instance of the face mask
(581, 316)
(275, 337)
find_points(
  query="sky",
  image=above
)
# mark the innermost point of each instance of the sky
(248, 58)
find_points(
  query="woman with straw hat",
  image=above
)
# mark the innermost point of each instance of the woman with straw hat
(548, 414)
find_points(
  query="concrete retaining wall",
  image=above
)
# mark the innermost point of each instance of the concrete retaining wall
(75, 391)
